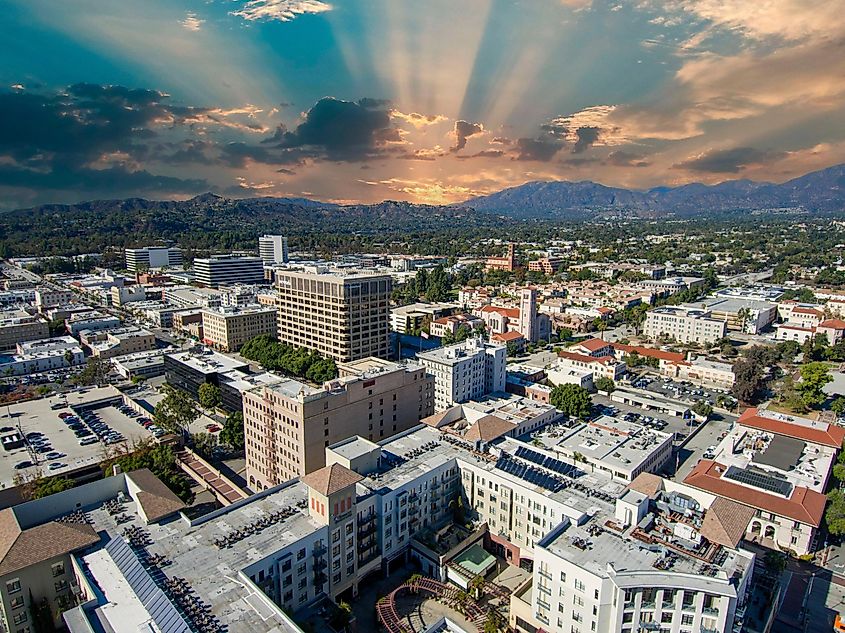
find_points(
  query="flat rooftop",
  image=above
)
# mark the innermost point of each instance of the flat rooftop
(208, 361)
(612, 441)
(39, 416)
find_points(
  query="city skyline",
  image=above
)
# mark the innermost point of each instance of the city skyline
(348, 102)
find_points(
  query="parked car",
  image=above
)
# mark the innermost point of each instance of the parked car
(22, 465)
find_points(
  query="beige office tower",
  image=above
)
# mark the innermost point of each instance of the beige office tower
(344, 315)
(288, 425)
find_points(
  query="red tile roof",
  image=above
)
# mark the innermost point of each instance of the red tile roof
(587, 359)
(834, 324)
(511, 313)
(593, 344)
(808, 311)
(675, 357)
(513, 335)
(820, 433)
(804, 505)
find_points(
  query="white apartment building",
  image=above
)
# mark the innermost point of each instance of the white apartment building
(42, 355)
(17, 326)
(149, 257)
(598, 366)
(227, 270)
(465, 371)
(342, 314)
(121, 295)
(273, 249)
(685, 324)
(118, 341)
(405, 319)
(51, 297)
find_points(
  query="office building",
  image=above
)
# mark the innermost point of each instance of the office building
(17, 326)
(343, 315)
(118, 341)
(51, 297)
(149, 257)
(465, 371)
(227, 329)
(42, 355)
(273, 249)
(228, 269)
(685, 324)
(409, 319)
(288, 425)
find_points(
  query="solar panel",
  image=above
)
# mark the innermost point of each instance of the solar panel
(759, 479)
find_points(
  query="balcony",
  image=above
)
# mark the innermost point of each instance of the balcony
(544, 605)
(366, 530)
(318, 564)
(648, 604)
(544, 574)
(710, 611)
(544, 589)
(318, 551)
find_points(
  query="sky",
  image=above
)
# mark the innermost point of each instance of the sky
(433, 101)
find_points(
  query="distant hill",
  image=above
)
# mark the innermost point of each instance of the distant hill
(817, 192)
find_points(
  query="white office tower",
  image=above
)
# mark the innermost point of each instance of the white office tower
(465, 371)
(273, 249)
(149, 257)
(228, 270)
(528, 314)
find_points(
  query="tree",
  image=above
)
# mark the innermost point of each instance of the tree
(50, 485)
(159, 458)
(834, 516)
(204, 444)
(702, 408)
(603, 383)
(573, 400)
(232, 432)
(600, 325)
(95, 372)
(513, 349)
(176, 411)
(743, 316)
(814, 376)
(748, 380)
(838, 405)
(209, 395)
(564, 333)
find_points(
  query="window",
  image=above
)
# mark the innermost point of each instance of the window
(16, 602)
(58, 569)
(687, 619)
(13, 586)
(19, 618)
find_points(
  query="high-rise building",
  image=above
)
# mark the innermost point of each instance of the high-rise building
(273, 249)
(685, 324)
(465, 371)
(289, 424)
(528, 314)
(140, 259)
(344, 315)
(228, 269)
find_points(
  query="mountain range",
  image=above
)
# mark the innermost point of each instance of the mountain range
(817, 192)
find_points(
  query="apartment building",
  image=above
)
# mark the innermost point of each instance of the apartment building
(465, 371)
(546, 265)
(222, 270)
(50, 297)
(685, 324)
(93, 320)
(741, 314)
(148, 257)
(227, 329)
(273, 249)
(324, 534)
(439, 327)
(17, 326)
(288, 425)
(42, 355)
(506, 263)
(777, 466)
(597, 366)
(344, 315)
(407, 319)
(127, 294)
(118, 341)
(597, 575)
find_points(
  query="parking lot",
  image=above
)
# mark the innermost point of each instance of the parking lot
(679, 390)
(46, 434)
(653, 419)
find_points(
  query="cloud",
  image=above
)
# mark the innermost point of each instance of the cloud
(281, 10)
(586, 137)
(191, 22)
(462, 131)
(621, 158)
(418, 120)
(538, 149)
(728, 161)
(342, 130)
(485, 153)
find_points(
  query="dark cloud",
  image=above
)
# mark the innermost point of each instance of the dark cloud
(341, 130)
(286, 172)
(578, 162)
(238, 154)
(485, 153)
(540, 149)
(728, 161)
(586, 136)
(463, 130)
(183, 152)
(90, 137)
(621, 158)
(555, 130)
